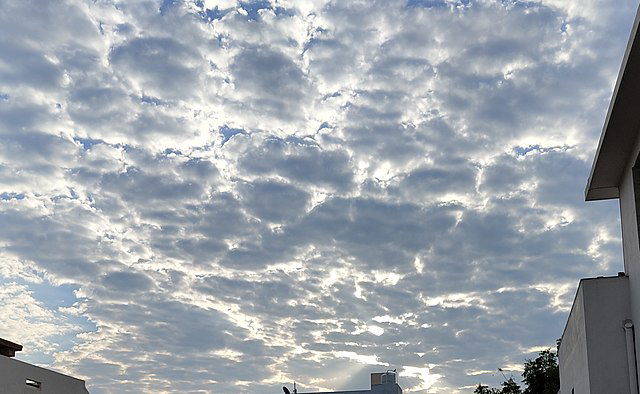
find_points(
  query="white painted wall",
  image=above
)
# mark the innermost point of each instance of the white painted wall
(606, 306)
(593, 356)
(378, 389)
(572, 354)
(631, 240)
(13, 375)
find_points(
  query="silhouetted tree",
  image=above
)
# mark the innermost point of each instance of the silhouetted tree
(510, 387)
(481, 389)
(541, 376)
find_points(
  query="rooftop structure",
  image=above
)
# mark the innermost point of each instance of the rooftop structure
(381, 383)
(8, 348)
(19, 377)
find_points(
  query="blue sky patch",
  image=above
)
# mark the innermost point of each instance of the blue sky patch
(151, 100)
(427, 3)
(228, 132)
(253, 8)
(213, 14)
(165, 5)
(11, 196)
(52, 298)
(87, 143)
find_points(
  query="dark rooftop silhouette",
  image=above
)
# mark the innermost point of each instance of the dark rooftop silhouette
(8, 348)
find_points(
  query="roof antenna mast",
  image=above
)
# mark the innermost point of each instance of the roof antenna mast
(286, 390)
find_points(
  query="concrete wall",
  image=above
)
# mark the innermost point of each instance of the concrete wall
(14, 373)
(593, 353)
(392, 388)
(606, 306)
(377, 389)
(338, 392)
(381, 383)
(631, 239)
(572, 354)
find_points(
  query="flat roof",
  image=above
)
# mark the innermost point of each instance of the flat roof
(8, 348)
(621, 126)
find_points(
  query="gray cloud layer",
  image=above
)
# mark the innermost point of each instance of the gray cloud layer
(236, 195)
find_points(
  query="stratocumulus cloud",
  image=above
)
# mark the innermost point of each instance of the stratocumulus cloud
(228, 196)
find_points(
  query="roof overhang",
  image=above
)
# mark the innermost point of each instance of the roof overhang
(621, 126)
(8, 348)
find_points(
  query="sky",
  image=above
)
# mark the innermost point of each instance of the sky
(221, 196)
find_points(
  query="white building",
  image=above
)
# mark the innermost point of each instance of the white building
(381, 383)
(593, 351)
(599, 345)
(17, 377)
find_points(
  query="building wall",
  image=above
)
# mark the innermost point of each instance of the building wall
(606, 306)
(339, 392)
(631, 241)
(386, 389)
(572, 353)
(377, 389)
(14, 373)
(593, 352)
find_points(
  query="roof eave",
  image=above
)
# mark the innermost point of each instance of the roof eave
(620, 130)
(602, 193)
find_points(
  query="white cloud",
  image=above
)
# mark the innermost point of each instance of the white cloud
(25, 320)
(363, 359)
(243, 184)
(427, 378)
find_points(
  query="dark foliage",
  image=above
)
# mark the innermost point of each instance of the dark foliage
(541, 376)
(481, 389)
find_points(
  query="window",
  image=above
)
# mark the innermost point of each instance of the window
(33, 383)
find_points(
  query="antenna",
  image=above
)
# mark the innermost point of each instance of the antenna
(286, 390)
(502, 372)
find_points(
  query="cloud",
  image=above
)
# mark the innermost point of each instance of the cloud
(300, 160)
(274, 201)
(230, 196)
(41, 329)
(127, 281)
(270, 82)
(158, 66)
